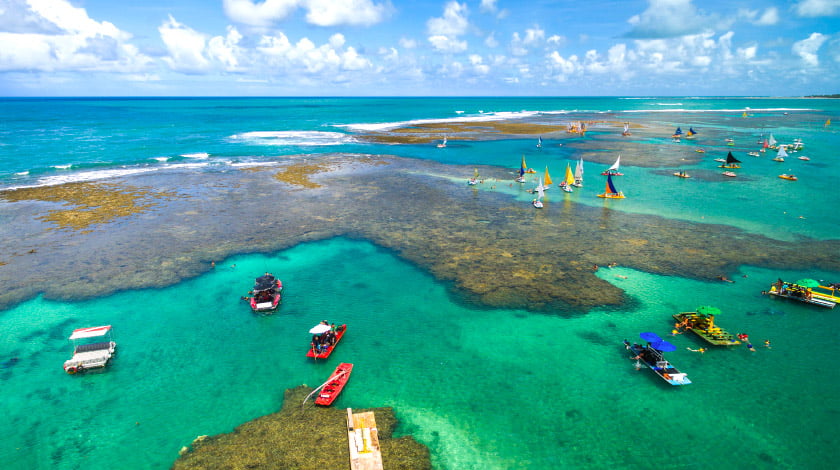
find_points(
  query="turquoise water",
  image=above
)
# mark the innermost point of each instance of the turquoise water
(483, 388)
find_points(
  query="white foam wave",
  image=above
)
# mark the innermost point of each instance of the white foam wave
(161, 159)
(484, 117)
(94, 175)
(62, 167)
(738, 110)
(22, 173)
(196, 155)
(302, 138)
(668, 104)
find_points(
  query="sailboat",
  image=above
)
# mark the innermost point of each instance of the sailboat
(548, 181)
(780, 157)
(610, 192)
(568, 180)
(764, 146)
(442, 144)
(521, 178)
(626, 129)
(731, 162)
(613, 170)
(579, 174)
(771, 142)
(474, 179)
(540, 194)
(681, 174)
(827, 122)
(677, 134)
(744, 115)
(691, 133)
(539, 142)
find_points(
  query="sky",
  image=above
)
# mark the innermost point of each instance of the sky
(419, 48)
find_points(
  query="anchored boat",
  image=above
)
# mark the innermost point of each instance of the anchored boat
(266, 293)
(702, 323)
(94, 350)
(731, 162)
(333, 387)
(651, 356)
(610, 192)
(324, 340)
(808, 291)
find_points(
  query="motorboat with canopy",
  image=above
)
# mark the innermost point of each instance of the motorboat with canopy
(266, 293)
(92, 348)
(652, 357)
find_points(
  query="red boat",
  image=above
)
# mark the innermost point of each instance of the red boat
(266, 293)
(325, 351)
(334, 385)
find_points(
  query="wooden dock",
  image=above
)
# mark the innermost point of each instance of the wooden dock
(363, 439)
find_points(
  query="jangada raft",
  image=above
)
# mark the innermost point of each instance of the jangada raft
(651, 356)
(702, 323)
(92, 348)
(335, 384)
(266, 293)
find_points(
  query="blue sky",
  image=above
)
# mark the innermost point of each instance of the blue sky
(410, 48)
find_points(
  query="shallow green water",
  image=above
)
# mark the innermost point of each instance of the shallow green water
(483, 388)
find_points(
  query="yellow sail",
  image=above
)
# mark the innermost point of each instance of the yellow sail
(827, 122)
(570, 177)
(547, 177)
(744, 115)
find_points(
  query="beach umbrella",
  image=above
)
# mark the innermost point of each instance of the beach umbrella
(650, 337)
(708, 310)
(319, 328)
(663, 346)
(808, 283)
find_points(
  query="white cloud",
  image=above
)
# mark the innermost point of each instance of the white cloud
(562, 68)
(261, 14)
(556, 40)
(770, 16)
(408, 43)
(352, 12)
(807, 49)
(815, 8)
(490, 41)
(670, 18)
(488, 6)
(533, 37)
(185, 46)
(444, 31)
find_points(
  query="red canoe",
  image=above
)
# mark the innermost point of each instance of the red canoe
(323, 354)
(335, 385)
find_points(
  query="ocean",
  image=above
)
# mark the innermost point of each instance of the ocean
(482, 387)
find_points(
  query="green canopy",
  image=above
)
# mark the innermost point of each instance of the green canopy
(808, 283)
(708, 310)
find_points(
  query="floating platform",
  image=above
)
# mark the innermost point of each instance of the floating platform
(363, 439)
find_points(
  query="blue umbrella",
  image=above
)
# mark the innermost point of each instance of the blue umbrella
(650, 337)
(663, 346)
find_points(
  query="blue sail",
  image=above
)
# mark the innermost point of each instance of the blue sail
(610, 187)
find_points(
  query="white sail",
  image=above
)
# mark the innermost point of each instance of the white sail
(771, 141)
(579, 170)
(540, 190)
(782, 153)
(614, 166)
(626, 127)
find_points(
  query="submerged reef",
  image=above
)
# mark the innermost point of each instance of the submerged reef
(494, 250)
(300, 437)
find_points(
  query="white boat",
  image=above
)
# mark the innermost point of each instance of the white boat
(579, 174)
(803, 158)
(442, 144)
(539, 142)
(540, 194)
(626, 129)
(92, 352)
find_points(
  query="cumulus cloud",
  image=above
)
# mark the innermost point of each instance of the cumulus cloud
(185, 46)
(670, 18)
(815, 8)
(406, 43)
(444, 31)
(319, 12)
(807, 49)
(53, 35)
(770, 16)
(490, 41)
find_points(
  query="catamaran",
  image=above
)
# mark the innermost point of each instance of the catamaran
(613, 170)
(731, 162)
(579, 174)
(610, 192)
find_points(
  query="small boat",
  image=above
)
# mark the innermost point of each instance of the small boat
(722, 160)
(652, 357)
(334, 385)
(539, 142)
(772, 143)
(626, 129)
(731, 162)
(568, 181)
(91, 353)
(521, 178)
(702, 323)
(730, 174)
(754, 154)
(266, 293)
(677, 133)
(804, 158)
(787, 176)
(798, 144)
(579, 174)
(325, 345)
(780, 156)
(681, 174)
(691, 133)
(613, 170)
(610, 191)
(827, 122)
(700, 150)
(474, 180)
(808, 291)
(540, 194)
(548, 181)
(442, 144)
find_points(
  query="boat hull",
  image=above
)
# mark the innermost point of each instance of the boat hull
(654, 361)
(334, 387)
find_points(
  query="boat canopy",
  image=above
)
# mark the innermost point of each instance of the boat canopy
(265, 282)
(90, 332)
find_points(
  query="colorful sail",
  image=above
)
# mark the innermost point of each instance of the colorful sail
(547, 177)
(522, 168)
(772, 141)
(691, 132)
(677, 132)
(570, 177)
(827, 122)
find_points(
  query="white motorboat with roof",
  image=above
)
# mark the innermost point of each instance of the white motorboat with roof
(92, 348)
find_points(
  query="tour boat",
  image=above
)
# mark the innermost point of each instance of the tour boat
(266, 293)
(651, 356)
(334, 385)
(808, 291)
(323, 353)
(702, 323)
(92, 353)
